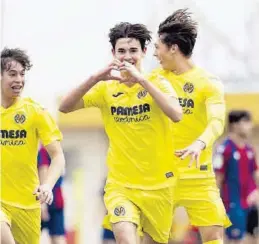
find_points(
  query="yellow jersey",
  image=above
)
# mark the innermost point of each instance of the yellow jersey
(139, 133)
(201, 96)
(22, 125)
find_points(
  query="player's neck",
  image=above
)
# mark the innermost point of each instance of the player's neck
(183, 65)
(7, 102)
(238, 140)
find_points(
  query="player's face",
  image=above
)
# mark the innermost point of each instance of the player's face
(244, 128)
(12, 80)
(129, 49)
(164, 54)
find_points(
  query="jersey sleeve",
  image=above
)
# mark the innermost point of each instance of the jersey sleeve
(43, 157)
(47, 128)
(216, 110)
(221, 159)
(95, 97)
(163, 84)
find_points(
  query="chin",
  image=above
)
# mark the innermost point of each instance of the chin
(16, 95)
(165, 67)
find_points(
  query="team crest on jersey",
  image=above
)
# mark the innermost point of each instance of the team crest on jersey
(236, 155)
(19, 118)
(188, 87)
(119, 211)
(142, 94)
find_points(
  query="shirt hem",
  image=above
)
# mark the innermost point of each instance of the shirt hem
(140, 187)
(17, 205)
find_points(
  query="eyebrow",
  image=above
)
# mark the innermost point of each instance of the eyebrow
(13, 70)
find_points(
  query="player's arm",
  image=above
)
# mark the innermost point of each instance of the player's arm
(166, 98)
(43, 169)
(50, 136)
(57, 165)
(216, 110)
(163, 94)
(219, 180)
(74, 99)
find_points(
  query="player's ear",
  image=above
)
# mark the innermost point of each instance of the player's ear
(174, 48)
(144, 51)
(113, 52)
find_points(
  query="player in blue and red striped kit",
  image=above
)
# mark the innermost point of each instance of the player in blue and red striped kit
(236, 170)
(53, 215)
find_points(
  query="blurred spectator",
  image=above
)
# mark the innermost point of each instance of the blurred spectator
(236, 171)
(52, 217)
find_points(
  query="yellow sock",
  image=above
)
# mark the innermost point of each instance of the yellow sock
(214, 242)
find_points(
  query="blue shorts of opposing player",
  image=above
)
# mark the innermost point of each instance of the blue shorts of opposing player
(55, 224)
(238, 217)
(108, 235)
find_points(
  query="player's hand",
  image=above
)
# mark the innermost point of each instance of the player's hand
(109, 72)
(44, 212)
(44, 194)
(133, 74)
(194, 151)
(253, 198)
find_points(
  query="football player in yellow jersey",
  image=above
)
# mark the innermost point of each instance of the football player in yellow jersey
(202, 99)
(135, 113)
(23, 123)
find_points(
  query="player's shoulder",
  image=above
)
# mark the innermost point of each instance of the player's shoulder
(32, 106)
(28, 101)
(158, 76)
(224, 146)
(157, 73)
(209, 79)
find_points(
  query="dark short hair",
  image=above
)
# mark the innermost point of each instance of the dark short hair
(236, 116)
(179, 28)
(14, 54)
(128, 30)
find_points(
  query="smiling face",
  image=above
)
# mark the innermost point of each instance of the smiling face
(165, 55)
(12, 80)
(129, 50)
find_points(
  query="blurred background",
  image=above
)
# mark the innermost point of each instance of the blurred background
(67, 40)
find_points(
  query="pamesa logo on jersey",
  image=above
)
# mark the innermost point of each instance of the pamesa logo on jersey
(13, 137)
(187, 105)
(133, 114)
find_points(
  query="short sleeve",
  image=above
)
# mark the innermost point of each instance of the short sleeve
(95, 97)
(163, 84)
(47, 128)
(214, 91)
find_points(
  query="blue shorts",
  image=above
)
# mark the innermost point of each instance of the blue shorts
(238, 217)
(108, 235)
(55, 225)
